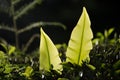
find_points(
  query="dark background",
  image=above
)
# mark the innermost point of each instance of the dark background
(103, 15)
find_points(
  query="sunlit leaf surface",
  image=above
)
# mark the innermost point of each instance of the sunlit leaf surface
(80, 42)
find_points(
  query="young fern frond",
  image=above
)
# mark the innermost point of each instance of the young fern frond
(80, 42)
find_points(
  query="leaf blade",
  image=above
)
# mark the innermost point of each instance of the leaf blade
(80, 42)
(48, 54)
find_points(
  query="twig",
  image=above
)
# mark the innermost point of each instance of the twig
(15, 27)
(22, 11)
(39, 24)
(30, 41)
(7, 28)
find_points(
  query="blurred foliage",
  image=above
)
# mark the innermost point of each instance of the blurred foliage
(104, 64)
(15, 11)
(106, 37)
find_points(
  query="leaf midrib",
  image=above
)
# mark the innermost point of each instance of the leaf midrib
(81, 39)
(47, 50)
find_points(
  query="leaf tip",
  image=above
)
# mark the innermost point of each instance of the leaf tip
(84, 9)
(41, 29)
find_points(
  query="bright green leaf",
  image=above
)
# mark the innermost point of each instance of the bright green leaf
(96, 41)
(48, 54)
(101, 36)
(80, 42)
(8, 68)
(2, 55)
(28, 71)
(106, 34)
(11, 49)
(91, 66)
(110, 31)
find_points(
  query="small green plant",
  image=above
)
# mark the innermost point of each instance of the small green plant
(78, 49)
(105, 38)
(82, 59)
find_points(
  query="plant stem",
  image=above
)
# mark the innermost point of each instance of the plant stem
(30, 41)
(15, 28)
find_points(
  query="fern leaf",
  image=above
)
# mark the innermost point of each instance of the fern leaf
(80, 42)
